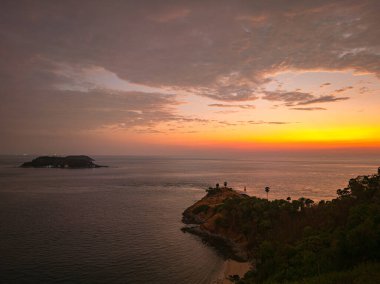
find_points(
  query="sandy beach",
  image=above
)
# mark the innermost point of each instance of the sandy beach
(232, 267)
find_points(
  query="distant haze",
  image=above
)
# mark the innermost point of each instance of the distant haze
(186, 77)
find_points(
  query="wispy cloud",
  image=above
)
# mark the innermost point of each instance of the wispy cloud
(324, 85)
(226, 111)
(323, 99)
(166, 15)
(232, 106)
(308, 108)
(265, 122)
(291, 99)
(343, 89)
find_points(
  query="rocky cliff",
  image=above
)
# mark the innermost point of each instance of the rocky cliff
(204, 218)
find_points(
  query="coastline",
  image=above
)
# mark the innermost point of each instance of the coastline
(228, 248)
(232, 267)
(233, 250)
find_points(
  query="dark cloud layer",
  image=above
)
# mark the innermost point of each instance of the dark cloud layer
(220, 49)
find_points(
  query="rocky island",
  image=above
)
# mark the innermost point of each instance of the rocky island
(69, 162)
(297, 241)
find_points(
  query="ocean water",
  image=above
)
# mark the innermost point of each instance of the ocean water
(122, 224)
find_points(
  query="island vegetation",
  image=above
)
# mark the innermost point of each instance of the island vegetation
(69, 162)
(298, 241)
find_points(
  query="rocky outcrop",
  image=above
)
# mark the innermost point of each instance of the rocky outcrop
(202, 211)
(202, 220)
(69, 162)
(279, 236)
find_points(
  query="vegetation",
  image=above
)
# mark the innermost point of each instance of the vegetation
(212, 191)
(202, 208)
(365, 273)
(72, 162)
(217, 189)
(267, 189)
(293, 241)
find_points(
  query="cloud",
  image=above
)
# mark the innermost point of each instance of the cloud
(69, 111)
(363, 90)
(192, 45)
(300, 98)
(325, 84)
(226, 111)
(226, 93)
(290, 98)
(343, 89)
(323, 99)
(265, 122)
(170, 14)
(308, 108)
(232, 106)
(222, 50)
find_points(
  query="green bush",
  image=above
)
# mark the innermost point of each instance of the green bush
(202, 208)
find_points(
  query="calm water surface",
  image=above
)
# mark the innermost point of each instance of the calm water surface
(122, 224)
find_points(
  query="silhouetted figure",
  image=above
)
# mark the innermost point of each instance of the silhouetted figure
(289, 198)
(225, 184)
(267, 191)
(217, 186)
(245, 189)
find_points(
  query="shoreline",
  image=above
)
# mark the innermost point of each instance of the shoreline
(232, 267)
(229, 249)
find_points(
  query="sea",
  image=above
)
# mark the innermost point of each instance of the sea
(122, 224)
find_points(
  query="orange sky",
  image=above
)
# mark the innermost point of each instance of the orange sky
(352, 123)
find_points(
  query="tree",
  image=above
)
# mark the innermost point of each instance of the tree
(267, 188)
(308, 202)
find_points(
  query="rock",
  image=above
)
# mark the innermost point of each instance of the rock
(201, 211)
(70, 162)
(202, 220)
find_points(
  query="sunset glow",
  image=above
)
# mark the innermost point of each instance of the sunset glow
(301, 76)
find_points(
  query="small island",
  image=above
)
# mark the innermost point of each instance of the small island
(69, 162)
(296, 241)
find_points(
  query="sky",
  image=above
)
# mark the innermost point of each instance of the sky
(171, 77)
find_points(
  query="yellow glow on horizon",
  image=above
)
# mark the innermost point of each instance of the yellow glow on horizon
(300, 137)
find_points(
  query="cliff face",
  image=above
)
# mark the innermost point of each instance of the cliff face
(201, 211)
(207, 214)
(73, 162)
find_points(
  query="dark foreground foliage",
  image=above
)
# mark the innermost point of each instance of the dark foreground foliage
(298, 241)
